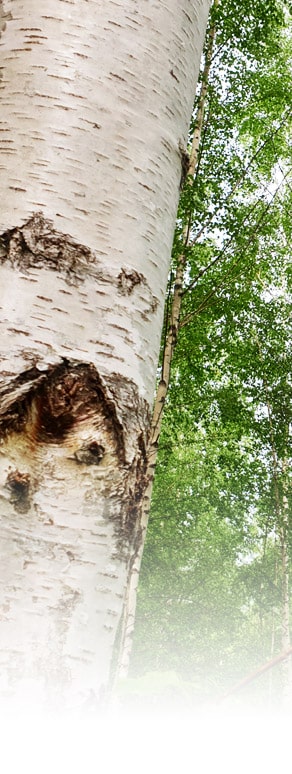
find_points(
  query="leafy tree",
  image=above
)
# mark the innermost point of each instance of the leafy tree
(214, 498)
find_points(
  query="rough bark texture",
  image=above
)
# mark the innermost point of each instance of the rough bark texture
(95, 104)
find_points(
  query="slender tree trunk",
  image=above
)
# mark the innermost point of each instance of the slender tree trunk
(95, 103)
(189, 165)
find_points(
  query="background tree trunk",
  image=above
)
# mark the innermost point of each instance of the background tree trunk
(95, 104)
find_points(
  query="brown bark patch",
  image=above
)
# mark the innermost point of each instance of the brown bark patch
(38, 244)
(98, 420)
(19, 486)
(127, 281)
(56, 402)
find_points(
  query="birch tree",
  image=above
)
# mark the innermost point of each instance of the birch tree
(96, 100)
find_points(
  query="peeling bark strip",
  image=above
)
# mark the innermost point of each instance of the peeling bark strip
(38, 243)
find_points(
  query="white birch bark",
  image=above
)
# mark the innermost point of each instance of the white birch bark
(96, 99)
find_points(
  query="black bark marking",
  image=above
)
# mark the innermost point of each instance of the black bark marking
(185, 164)
(90, 454)
(173, 75)
(119, 77)
(38, 244)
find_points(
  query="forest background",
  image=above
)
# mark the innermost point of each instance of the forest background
(214, 592)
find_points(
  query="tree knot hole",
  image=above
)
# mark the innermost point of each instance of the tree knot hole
(90, 454)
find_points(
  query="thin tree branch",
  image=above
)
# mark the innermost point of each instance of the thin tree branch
(241, 177)
(255, 674)
(222, 254)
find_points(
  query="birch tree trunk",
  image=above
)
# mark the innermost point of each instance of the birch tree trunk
(96, 99)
